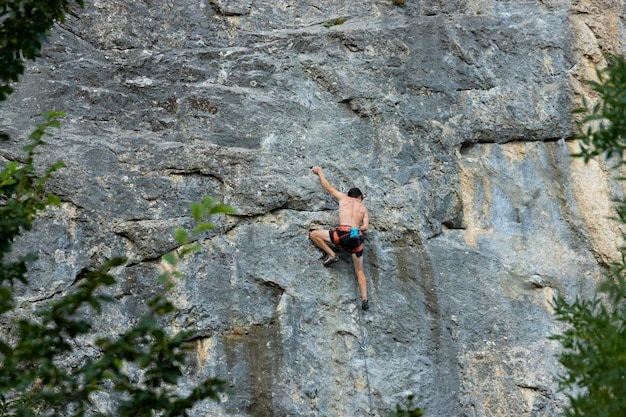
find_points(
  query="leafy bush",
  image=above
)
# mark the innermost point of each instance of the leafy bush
(23, 32)
(603, 127)
(33, 379)
(594, 343)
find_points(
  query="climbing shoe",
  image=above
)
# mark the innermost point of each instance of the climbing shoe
(365, 304)
(328, 260)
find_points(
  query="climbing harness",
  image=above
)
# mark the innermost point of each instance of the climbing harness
(349, 238)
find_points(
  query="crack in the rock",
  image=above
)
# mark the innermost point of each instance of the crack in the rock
(465, 146)
(46, 298)
(82, 273)
(347, 333)
(272, 285)
(543, 391)
(13, 158)
(193, 172)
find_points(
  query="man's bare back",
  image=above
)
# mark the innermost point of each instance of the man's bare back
(352, 212)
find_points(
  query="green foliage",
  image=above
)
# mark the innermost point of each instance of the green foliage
(23, 29)
(594, 342)
(603, 128)
(410, 411)
(593, 353)
(142, 366)
(334, 22)
(22, 195)
(33, 379)
(399, 2)
(23, 32)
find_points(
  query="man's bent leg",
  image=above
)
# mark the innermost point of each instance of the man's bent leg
(321, 238)
(360, 275)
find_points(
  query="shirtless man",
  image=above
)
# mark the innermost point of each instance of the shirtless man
(353, 220)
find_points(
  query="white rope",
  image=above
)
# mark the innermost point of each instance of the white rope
(363, 343)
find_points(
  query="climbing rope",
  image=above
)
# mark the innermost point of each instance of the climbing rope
(363, 343)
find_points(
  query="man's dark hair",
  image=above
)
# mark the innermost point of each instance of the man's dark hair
(355, 193)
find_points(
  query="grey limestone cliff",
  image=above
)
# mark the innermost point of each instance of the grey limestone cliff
(452, 116)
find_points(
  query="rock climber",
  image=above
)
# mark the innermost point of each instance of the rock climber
(353, 221)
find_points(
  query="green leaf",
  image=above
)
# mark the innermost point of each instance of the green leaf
(163, 278)
(178, 274)
(171, 258)
(53, 200)
(202, 227)
(189, 249)
(197, 210)
(222, 208)
(181, 236)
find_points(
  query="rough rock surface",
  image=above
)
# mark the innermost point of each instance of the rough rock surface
(452, 116)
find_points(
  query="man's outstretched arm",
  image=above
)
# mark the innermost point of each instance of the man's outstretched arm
(331, 190)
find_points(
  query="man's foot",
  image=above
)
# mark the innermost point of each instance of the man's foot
(365, 304)
(328, 260)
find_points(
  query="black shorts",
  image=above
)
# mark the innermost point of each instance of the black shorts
(341, 237)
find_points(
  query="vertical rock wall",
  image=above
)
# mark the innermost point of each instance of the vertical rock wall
(452, 116)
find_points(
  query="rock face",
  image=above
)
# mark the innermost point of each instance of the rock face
(452, 116)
